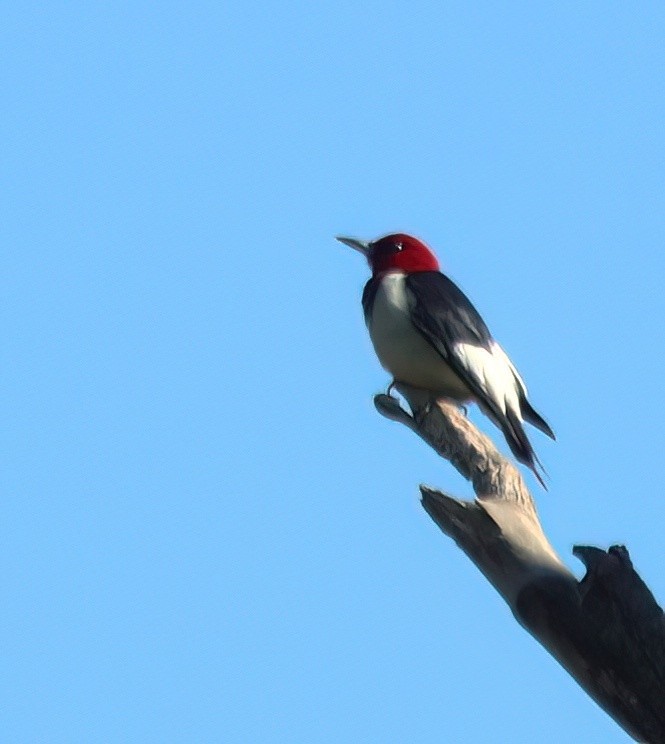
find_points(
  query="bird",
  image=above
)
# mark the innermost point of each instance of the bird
(427, 334)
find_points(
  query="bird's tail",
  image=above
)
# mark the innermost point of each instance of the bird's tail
(519, 443)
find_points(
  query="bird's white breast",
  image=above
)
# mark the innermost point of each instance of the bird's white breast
(402, 349)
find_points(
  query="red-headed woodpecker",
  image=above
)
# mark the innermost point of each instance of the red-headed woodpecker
(427, 334)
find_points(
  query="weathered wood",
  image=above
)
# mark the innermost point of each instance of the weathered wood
(606, 630)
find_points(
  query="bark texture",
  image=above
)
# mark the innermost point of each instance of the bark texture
(606, 630)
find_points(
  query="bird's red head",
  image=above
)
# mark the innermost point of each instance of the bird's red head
(396, 252)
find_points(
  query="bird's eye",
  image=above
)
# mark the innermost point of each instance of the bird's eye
(399, 247)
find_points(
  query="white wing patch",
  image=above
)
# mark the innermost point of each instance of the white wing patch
(499, 352)
(494, 374)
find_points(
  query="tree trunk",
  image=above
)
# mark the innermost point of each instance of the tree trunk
(606, 630)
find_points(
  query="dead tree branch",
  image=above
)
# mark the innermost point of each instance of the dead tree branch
(606, 630)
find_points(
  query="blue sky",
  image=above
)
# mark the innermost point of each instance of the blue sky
(209, 534)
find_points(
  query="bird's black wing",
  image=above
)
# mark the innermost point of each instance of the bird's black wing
(369, 293)
(452, 325)
(443, 313)
(446, 317)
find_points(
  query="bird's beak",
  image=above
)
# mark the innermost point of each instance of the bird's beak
(359, 245)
